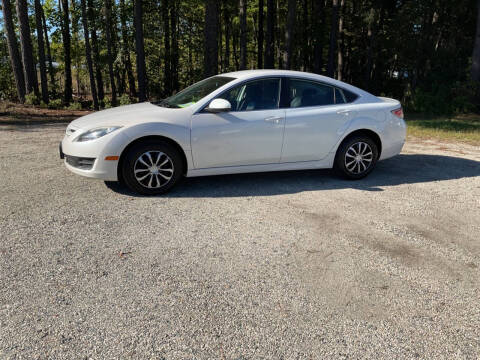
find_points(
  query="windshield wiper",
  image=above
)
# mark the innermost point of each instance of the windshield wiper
(165, 103)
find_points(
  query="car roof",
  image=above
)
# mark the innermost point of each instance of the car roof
(246, 74)
(270, 72)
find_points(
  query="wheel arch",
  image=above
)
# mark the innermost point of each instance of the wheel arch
(152, 138)
(366, 132)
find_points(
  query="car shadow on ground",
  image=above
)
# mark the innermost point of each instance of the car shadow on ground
(402, 169)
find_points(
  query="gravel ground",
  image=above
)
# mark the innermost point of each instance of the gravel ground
(280, 265)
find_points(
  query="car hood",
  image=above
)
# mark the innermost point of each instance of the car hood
(131, 115)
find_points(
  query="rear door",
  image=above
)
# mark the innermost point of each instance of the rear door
(316, 116)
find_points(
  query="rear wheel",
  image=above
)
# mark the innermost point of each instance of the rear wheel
(152, 168)
(356, 157)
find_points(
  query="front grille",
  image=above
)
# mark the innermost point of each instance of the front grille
(80, 162)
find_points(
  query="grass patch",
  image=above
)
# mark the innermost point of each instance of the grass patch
(464, 128)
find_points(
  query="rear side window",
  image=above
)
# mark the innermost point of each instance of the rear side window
(339, 98)
(303, 93)
(349, 96)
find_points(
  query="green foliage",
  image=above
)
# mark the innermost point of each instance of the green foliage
(419, 51)
(107, 103)
(55, 104)
(75, 106)
(31, 99)
(443, 99)
(125, 100)
(7, 84)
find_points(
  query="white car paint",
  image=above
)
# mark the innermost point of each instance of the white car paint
(243, 141)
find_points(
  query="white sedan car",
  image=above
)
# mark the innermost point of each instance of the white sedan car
(247, 121)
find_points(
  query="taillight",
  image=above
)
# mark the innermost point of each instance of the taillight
(398, 113)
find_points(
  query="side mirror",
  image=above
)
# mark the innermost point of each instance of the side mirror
(218, 105)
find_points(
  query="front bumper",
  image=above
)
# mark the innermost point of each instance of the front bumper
(104, 170)
(88, 158)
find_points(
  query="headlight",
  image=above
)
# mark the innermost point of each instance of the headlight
(96, 133)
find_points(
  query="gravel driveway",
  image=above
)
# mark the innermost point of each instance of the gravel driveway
(280, 265)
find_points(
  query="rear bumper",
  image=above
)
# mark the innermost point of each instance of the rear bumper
(392, 150)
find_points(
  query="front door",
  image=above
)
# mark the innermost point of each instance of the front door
(250, 134)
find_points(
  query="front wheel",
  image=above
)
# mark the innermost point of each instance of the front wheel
(356, 157)
(152, 168)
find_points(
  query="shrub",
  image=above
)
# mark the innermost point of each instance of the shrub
(75, 106)
(125, 100)
(55, 104)
(31, 99)
(443, 99)
(107, 103)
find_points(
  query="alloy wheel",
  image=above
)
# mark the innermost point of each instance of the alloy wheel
(358, 157)
(153, 169)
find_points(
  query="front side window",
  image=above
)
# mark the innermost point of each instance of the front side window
(196, 92)
(254, 95)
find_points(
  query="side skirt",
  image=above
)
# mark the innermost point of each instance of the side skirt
(325, 163)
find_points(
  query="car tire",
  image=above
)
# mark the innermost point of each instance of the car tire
(356, 157)
(152, 168)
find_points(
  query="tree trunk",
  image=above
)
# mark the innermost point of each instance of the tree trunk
(67, 95)
(167, 86)
(278, 39)
(26, 46)
(318, 15)
(51, 70)
(96, 53)
(76, 46)
(15, 59)
(174, 44)
(368, 66)
(270, 39)
(307, 39)
(139, 45)
(41, 51)
(210, 38)
(340, 38)
(287, 53)
(243, 33)
(260, 35)
(108, 35)
(126, 50)
(226, 19)
(476, 49)
(88, 54)
(333, 40)
(235, 48)
(117, 68)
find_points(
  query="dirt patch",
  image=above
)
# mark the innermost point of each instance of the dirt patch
(17, 114)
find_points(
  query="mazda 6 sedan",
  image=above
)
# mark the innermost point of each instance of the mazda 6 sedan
(239, 122)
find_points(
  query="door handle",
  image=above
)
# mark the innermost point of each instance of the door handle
(274, 119)
(344, 112)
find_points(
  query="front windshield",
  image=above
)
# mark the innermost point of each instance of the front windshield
(195, 92)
